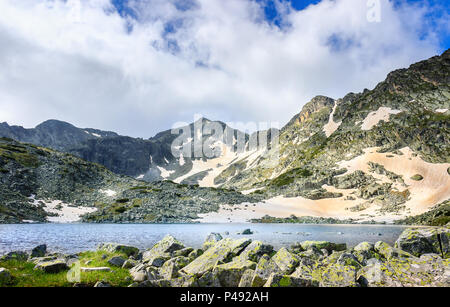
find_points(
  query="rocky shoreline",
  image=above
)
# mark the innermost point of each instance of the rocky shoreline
(420, 257)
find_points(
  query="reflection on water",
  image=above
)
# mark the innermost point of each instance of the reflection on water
(71, 238)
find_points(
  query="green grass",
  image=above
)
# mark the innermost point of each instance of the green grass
(24, 158)
(24, 274)
(290, 176)
(120, 209)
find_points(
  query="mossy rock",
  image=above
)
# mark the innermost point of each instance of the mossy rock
(419, 241)
(424, 271)
(329, 246)
(119, 248)
(389, 252)
(223, 250)
(53, 266)
(417, 177)
(285, 261)
(230, 274)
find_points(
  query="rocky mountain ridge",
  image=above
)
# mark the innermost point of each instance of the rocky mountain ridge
(383, 153)
(38, 184)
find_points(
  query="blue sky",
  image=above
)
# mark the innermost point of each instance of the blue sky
(438, 9)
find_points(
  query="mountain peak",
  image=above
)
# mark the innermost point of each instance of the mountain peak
(54, 123)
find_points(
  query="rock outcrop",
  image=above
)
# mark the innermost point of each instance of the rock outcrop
(246, 263)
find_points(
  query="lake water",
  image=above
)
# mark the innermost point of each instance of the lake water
(71, 238)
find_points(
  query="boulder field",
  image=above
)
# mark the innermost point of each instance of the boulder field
(420, 257)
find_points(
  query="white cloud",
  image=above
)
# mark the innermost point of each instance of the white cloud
(223, 60)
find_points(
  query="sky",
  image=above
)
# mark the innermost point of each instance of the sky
(141, 66)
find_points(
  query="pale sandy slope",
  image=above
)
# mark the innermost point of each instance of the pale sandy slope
(433, 189)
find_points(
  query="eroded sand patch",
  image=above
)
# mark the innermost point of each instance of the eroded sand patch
(433, 189)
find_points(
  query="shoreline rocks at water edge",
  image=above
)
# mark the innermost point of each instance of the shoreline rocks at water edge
(420, 257)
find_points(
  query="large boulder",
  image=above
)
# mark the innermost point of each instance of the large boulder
(209, 279)
(419, 241)
(39, 251)
(139, 273)
(5, 276)
(184, 252)
(349, 259)
(16, 255)
(336, 275)
(171, 267)
(365, 251)
(246, 278)
(162, 251)
(211, 239)
(255, 250)
(283, 263)
(329, 246)
(37, 260)
(327, 275)
(230, 274)
(305, 268)
(195, 254)
(428, 270)
(119, 248)
(53, 266)
(389, 252)
(263, 270)
(117, 261)
(129, 263)
(313, 253)
(222, 251)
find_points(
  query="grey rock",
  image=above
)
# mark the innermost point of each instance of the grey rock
(16, 255)
(211, 239)
(419, 241)
(119, 248)
(128, 264)
(102, 284)
(5, 276)
(278, 280)
(53, 266)
(117, 261)
(39, 251)
(95, 269)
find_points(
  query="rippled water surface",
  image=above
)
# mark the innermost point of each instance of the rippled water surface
(70, 238)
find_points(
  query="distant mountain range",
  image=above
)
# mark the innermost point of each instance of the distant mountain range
(380, 154)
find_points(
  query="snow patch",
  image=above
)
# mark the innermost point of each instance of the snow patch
(441, 110)
(331, 126)
(65, 213)
(94, 134)
(165, 173)
(373, 118)
(110, 193)
(181, 159)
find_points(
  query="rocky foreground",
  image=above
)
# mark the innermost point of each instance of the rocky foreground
(420, 257)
